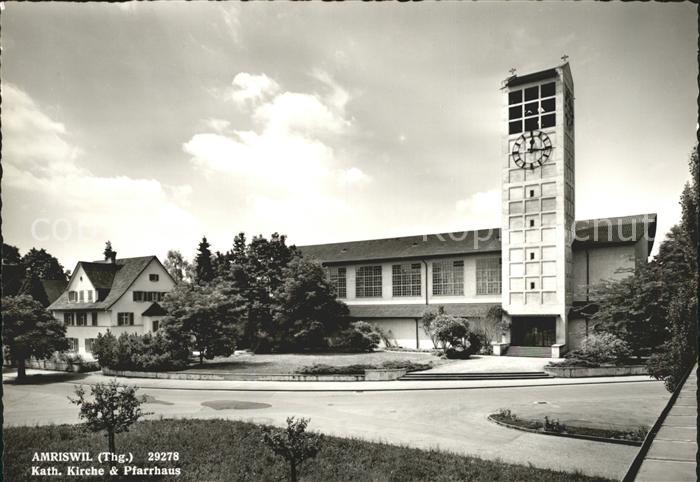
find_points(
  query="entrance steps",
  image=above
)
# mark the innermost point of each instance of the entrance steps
(530, 351)
(418, 376)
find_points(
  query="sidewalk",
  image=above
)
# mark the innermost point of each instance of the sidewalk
(268, 386)
(672, 454)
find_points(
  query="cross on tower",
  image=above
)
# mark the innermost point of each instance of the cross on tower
(512, 71)
(564, 58)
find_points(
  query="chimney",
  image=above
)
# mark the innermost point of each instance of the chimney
(112, 257)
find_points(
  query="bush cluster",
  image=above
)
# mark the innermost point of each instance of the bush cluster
(453, 335)
(360, 336)
(597, 349)
(138, 352)
(359, 369)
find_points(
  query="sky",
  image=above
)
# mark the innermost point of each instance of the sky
(154, 124)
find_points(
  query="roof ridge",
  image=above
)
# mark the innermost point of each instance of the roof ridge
(629, 216)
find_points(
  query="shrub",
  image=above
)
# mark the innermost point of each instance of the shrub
(359, 337)
(135, 352)
(408, 365)
(464, 348)
(602, 348)
(295, 444)
(359, 369)
(113, 407)
(574, 363)
(451, 331)
(483, 340)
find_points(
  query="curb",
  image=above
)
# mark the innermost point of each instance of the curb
(568, 435)
(369, 389)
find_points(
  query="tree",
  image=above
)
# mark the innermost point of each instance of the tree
(294, 444)
(306, 311)
(679, 353)
(32, 286)
(633, 309)
(114, 408)
(42, 265)
(679, 255)
(206, 318)
(13, 271)
(109, 253)
(428, 320)
(179, 268)
(256, 272)
(10, 254)
(204, 270)
(28, 330)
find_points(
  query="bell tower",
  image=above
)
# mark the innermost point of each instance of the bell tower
(538, 198)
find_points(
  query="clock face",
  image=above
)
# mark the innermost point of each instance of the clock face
(531, 150)
(569, 109)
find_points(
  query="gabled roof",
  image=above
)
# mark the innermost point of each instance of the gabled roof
(473, 310)
(614, 230)
(120, 275)
(443, 244)
(154, 310)
(101, 274)
(53, 288)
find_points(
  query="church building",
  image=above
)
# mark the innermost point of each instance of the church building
(538, 266)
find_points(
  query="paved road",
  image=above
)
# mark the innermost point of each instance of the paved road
(453, 420)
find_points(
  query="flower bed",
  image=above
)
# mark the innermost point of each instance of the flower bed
(552, 427)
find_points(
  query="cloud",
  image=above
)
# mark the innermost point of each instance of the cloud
(353, 176)
(42, 164)
(292, 148)
(218, 125)
(480, 210)
(252, 88)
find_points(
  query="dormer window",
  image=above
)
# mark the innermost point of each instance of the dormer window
(153, 277)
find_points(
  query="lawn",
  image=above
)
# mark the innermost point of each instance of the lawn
(295, 363)
(223, 450)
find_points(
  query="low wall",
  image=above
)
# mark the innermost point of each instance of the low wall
(62, 366)
(581, 372)
(294, 377)
(383, 375)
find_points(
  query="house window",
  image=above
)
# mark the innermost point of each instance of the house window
(156, 325)
(338, 278)
(406, 279)
(149, 295)
(94, 318)
(81, 319)
(73, 296)
(89, 295)
(82, 296)
(89, 342)
(448, 278)
(72, 344)
(125, 319)
(488, 276)
(153, 277)
(368, 282)
(68, 319)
